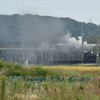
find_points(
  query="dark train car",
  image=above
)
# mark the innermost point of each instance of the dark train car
(89, 57)
(73, 58)
(65, 58)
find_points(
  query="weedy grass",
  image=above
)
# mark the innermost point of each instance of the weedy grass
(77, 82)
(3, 85)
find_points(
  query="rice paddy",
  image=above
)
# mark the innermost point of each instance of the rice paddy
(74, 68)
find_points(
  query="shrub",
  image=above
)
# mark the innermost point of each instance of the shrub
(13, 66)
(2, 64)
(13, 72)
(40, 72)
(30, 72)
(44, 72)
(9, 65)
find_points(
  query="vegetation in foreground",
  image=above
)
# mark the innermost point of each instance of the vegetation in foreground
(39, 83)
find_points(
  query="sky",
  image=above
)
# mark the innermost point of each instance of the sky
(80, 10)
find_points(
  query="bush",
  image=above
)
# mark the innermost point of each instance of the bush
(2, 64)
(13, 72)
(9, 65)
(14, 69)
(30, 72)
(44, 72)
(41, 72)
(13, 66)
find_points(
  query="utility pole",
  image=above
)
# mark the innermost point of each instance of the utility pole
(42, 56)
(97, 60)
(82, 42)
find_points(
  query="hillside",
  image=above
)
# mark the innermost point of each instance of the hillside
(35, 28)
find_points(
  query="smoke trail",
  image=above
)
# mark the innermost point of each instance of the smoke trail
(71, 44)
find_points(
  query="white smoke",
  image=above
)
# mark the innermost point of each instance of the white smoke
(44, 45)
(71, 44)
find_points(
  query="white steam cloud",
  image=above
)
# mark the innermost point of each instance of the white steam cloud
(71, 44)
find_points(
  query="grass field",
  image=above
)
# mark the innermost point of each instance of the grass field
(63, 82)
(75, 68)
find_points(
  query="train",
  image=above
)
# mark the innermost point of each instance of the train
(73, 58)
(89, 57)
(16, 52)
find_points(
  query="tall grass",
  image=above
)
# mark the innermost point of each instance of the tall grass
(18, 89)
(3, 84)
(74, 86)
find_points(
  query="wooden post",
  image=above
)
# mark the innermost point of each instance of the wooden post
(97, 60)
(41, 56)
(82, 42)
(82, 49)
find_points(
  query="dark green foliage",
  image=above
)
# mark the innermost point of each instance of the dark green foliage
(13, 71)
(55, 78)
(76, 79)
(37, 78)
(10, 65)
(91, 38)
(40, 72)
(2, 64)
(81, 87)
(86, 79)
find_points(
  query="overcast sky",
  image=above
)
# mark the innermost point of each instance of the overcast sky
(80, 10)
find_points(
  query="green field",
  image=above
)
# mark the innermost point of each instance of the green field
(63, 82)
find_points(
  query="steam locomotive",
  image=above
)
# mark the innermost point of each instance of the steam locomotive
(16, 52)
(72, 58)
(89, 57)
